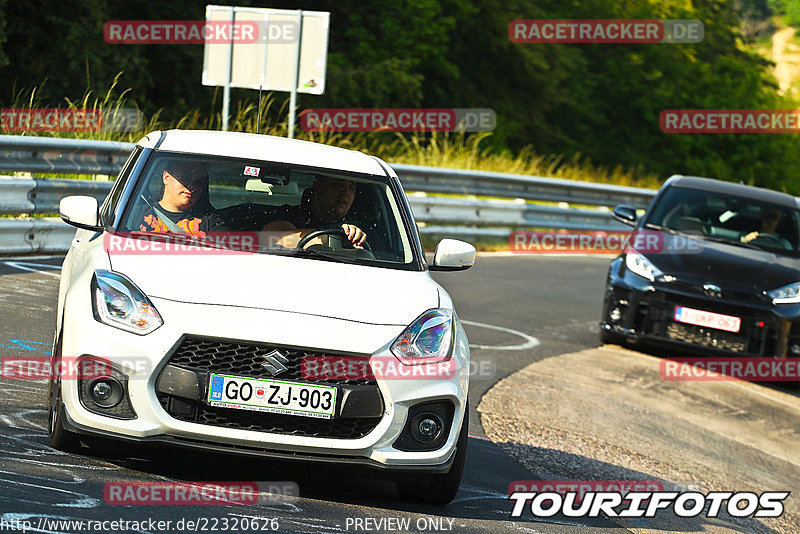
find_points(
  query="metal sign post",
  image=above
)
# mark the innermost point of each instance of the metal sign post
(226, 92)
(293, 94)
(289, 54)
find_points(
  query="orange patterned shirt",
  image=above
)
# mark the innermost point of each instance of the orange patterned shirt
(194, 224)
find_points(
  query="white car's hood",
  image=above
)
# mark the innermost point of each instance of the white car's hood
(352, 292)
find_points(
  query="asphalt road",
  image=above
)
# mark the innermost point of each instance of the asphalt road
(517, 310)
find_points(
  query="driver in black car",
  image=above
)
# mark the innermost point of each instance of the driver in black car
(328, 206)
(770, 219)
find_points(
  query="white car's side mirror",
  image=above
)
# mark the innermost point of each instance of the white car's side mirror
(453, 255)
(80, 211)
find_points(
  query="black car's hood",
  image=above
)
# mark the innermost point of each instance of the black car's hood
(732, 265)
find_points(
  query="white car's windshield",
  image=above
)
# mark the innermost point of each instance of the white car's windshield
(280, 208)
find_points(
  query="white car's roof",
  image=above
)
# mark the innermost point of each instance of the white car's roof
(263, 147)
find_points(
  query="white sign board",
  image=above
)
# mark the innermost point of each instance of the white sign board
(270, 60)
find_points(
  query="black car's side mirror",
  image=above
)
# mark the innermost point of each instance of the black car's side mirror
(625, 215)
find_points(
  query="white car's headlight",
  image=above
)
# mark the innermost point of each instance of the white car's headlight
(117, 302)
(785, 295)
(638, 264)
(427, 339)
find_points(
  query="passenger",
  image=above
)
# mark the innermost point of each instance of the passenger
(184, 205)
(330, 201)
(770, 219)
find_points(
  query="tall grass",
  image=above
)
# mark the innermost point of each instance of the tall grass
(450, 150)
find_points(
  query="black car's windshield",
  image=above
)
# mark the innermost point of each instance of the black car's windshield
(729, 219)
(269, 207)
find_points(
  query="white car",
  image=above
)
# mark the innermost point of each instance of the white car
(263, 296)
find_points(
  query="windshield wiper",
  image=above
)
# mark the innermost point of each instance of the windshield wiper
(324, 255)
(666, 229)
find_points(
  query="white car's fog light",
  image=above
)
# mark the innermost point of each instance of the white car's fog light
(426, 427)
(103, 388)
(101, 391)
(106, 392)
(119, 303)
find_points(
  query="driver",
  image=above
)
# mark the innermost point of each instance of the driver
(331, 199)
(770, 219)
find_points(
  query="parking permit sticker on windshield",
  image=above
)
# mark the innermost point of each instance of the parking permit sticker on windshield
(251, 171)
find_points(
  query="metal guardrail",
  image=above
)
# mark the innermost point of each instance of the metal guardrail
(460, 211)
(40, 235)
(42, 195)
(496, 184)
(19, 153)
(464, 215)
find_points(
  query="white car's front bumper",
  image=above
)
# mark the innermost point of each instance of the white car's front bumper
(145, 356)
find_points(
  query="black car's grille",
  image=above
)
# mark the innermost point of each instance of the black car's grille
(206, 356)
(756, 336)
(696, 289)
(707, 337)
(245, 359)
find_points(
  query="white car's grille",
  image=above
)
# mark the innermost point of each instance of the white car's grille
(246, 359)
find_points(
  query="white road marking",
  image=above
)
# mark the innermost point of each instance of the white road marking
(28, 258)
(530, 341)
(31, 267)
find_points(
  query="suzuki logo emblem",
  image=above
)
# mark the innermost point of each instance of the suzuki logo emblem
(274, 363)
(712, 290)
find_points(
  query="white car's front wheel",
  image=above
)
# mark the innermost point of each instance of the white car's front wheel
(57, 436)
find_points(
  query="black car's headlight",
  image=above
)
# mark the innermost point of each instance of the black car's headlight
(427, 339)
(785, 295)
(640, 265)
(117, 302)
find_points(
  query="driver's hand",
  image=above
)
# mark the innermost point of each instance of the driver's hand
(749, 237)
(355, 235)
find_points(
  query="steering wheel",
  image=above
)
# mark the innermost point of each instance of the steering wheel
(770, 237)
(335, 231)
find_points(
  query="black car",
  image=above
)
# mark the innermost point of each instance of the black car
(724, 278)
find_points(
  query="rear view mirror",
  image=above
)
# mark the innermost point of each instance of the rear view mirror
(258, 186)
(453, 255)
(80, 211)
(625, 215)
